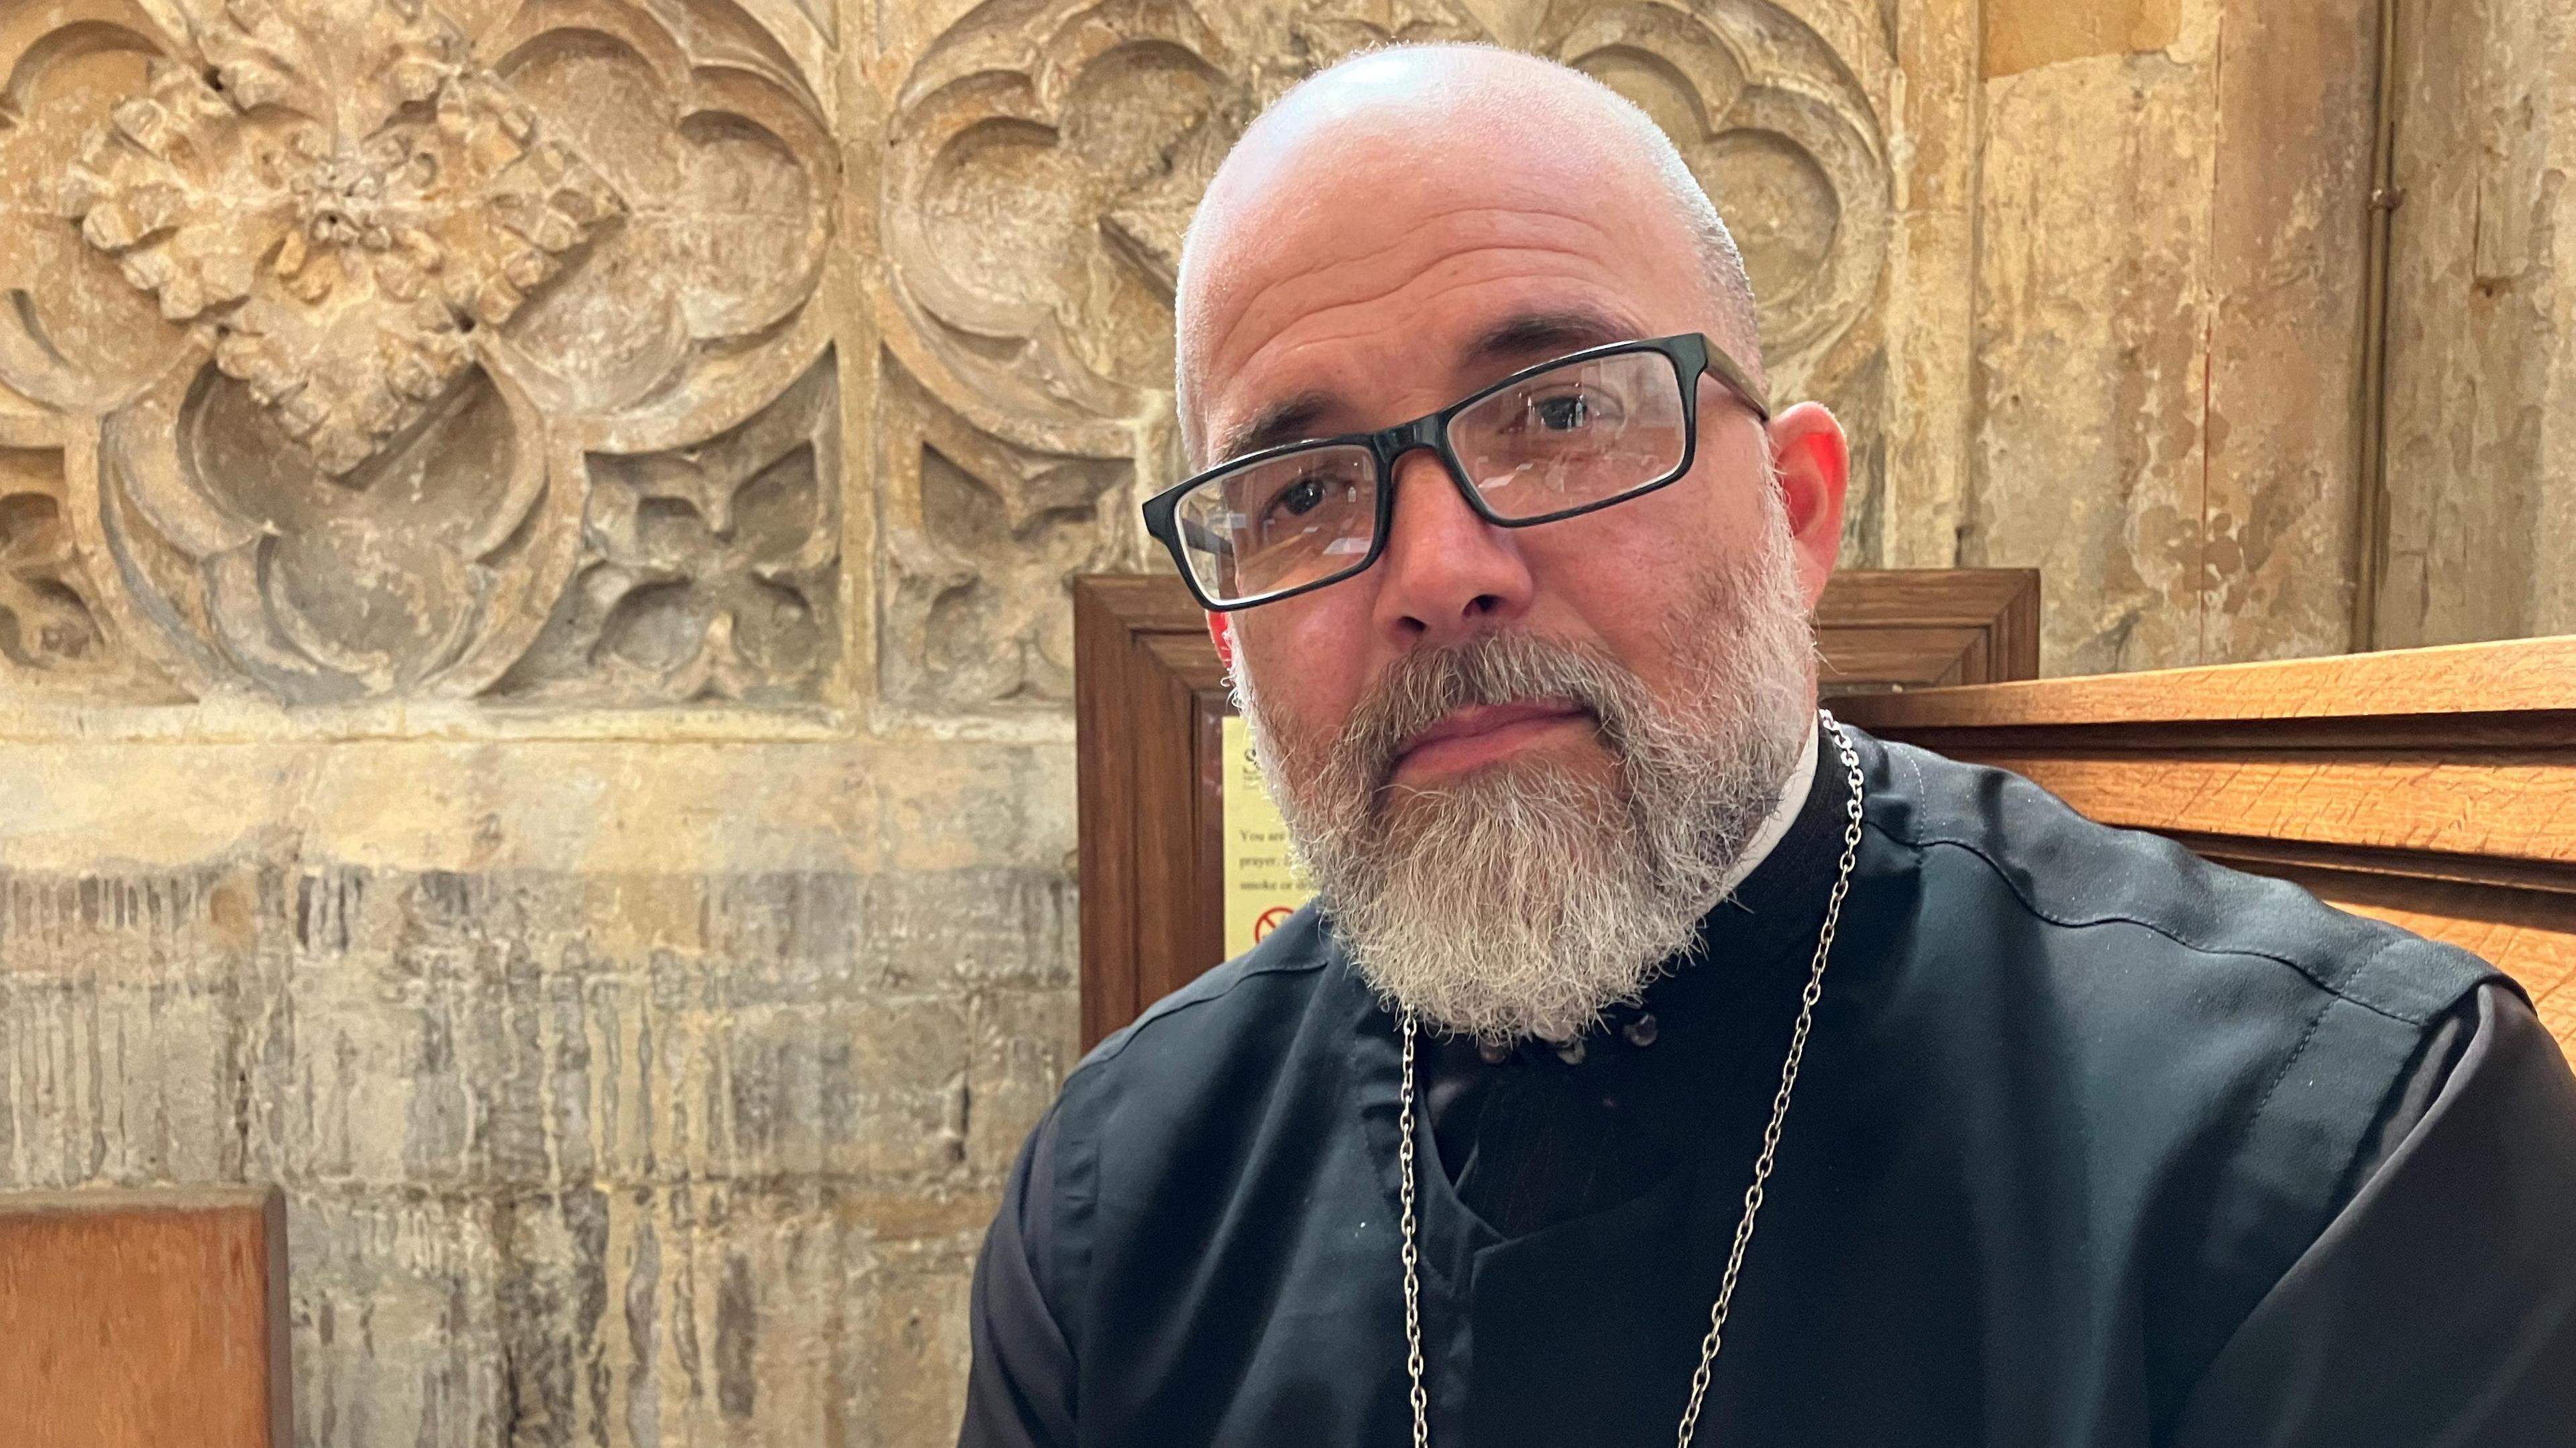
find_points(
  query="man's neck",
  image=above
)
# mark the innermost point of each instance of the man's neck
(1784, 813)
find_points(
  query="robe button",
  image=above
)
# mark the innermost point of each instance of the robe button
(1641, 1031)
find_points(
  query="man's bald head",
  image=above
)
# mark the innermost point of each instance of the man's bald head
(1456, 120)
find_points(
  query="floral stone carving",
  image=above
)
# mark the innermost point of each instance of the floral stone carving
(339, 200)
(407, 284)
(1043, 164)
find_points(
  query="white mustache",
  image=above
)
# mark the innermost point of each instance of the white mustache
(1492, 669)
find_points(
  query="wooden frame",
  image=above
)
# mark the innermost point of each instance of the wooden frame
(1912, 628)
(2435, 788)
(138, 1318)
(1150, 704)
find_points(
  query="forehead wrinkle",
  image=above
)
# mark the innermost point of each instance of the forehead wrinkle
(1555, 327)
(1452, 262)
(1608, 310)
(1363, 327)
(1365, 322)
(1411, 234)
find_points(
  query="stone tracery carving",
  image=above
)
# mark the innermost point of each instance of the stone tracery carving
(1044, 162)
(979, 538)
(55, 638)
(1773, 126)
(712, 569)
(46, 623)
(400, 279)
(341, 313)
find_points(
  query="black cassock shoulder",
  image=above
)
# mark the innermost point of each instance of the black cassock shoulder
(1211, 1050)
(2207, 1056)
(2073, 873)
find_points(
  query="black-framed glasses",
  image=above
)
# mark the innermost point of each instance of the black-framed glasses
(1554, 441)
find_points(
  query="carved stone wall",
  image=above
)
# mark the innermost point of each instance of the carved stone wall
(534, 659)
(329, 312)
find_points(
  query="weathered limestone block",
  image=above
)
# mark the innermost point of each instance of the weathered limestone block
(2022, 35)
(2090, 351)
(692, 1144)
(496, 1047)
(2289, 198)
(2481, 523)
(122, 1026)
(396, 1311)
(2168, 348)
(915, 1338)
(1018, 1057)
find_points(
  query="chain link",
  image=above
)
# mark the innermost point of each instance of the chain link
(1761, 1166)
(1412, 1279)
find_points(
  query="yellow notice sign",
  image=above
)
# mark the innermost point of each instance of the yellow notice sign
(1262, 885)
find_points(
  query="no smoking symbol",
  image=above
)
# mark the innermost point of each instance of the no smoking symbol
(1270, 919)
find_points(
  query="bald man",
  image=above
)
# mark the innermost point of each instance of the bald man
(1664, 1060)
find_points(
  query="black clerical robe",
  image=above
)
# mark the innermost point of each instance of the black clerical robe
(2095, 1144)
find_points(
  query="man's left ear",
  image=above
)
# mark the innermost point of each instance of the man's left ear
(1221, 632)
(1815, 471)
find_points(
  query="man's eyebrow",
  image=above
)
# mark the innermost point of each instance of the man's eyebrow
(1537, 336)
(1523, 337)
(1289, 420)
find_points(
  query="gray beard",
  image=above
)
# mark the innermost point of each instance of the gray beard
(1523, 900)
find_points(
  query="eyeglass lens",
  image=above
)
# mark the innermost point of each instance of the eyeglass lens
(1293, 520)
(1562, 440)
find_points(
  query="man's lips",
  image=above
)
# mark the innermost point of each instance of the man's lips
(1480, 733)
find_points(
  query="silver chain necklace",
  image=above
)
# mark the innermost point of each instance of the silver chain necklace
(1761, 1164)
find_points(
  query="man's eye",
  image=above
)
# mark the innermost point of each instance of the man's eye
(1570, 412)
(1300, 497)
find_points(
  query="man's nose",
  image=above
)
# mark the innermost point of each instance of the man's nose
(1448, 574)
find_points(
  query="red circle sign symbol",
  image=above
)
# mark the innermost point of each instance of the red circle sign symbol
(1270, 919)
